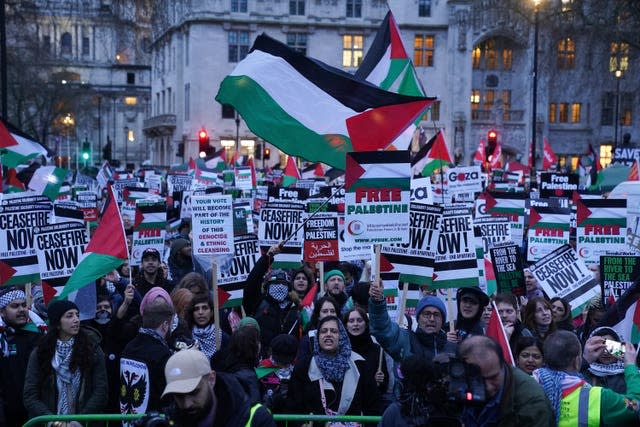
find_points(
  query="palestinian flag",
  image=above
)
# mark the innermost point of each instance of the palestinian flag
(495, 330)
(433, 156)
(388, 66)
(510, 205)
(107, 249)
(291, 172)
(548, 229)
(306, 305)
(12, 183)
(550, 159)
(311, 110)
(47, 180)
(20, 148)
(601, 228)
(624, 315)
(480, 154)
(105, 174)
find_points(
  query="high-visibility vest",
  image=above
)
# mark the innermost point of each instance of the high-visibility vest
(581, 408)
(252, 412)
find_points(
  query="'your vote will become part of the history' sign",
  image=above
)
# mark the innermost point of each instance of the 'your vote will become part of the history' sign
(212, 224)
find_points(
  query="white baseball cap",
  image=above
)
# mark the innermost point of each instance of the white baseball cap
(184, 370)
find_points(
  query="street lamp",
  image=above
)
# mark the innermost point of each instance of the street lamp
(68, 122)
(534, 106)
(618, 73)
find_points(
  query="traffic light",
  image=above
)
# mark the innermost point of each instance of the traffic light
(203, 143)
(180, 152)
(86, 150)
(266, 153)
(258, 152)
(492, 140)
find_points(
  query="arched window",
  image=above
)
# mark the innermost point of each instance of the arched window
(65, 44)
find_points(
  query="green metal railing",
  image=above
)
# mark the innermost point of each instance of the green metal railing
(118, 418)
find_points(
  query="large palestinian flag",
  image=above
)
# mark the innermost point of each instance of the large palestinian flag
(311, 110)
(107, 249)
(20, 148)
(624, 315)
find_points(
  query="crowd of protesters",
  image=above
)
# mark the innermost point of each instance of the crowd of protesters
(155, 345)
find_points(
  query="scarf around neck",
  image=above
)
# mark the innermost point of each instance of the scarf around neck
(602, 370)
(67, 382)
(153, 333)
(554, 382)
(334, 366)
(206, 338)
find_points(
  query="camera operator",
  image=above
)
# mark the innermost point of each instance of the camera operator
(513, 397)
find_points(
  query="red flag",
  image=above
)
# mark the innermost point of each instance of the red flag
(634, 174)
(6, 139)
(495, 161)
(319, 170)
(550, 157)
(495, 330)
(480, 152)
(254, 180)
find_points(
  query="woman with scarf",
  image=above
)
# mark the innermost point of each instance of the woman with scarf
(356, 322)
(66, 373)
(538, 318)
(607, 371)
(203, 329)
(561, 311)
(334, 380)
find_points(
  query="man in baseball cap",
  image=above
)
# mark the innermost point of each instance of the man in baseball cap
(203, 397)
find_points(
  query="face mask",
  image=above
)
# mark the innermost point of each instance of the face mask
(278, 291)
(102, 317)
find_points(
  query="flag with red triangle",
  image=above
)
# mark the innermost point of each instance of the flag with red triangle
(254, 179)
(495, 160)
(634, 174)
(106, 251)
(291, 172)
(495, 330)
(550, 158)
(433, 156)
(480, 155)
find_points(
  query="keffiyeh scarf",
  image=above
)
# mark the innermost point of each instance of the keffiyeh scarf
(602, 370)
(153, 333)
(334, 366)
(553, 382)
(206, 338)
(67, 382)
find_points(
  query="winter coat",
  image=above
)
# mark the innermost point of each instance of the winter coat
(233, 407)
(13, 368)
(304, 390)
(41, 394)
(151, 352)
(400, 343)
(370, 351)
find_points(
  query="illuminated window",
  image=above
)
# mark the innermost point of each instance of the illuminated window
(626, 109)
(352, 50)
(566, 59)
(566, 6)
(575, 112)
(619, 57)
(238, 45)
(476, 55)
(553, 111)
(564, 112)
(506, 105)
(489, 99)
(490, 55)
(423, 50)
(507, 58)
(131, 137)
(475, 103)
(130, 100)
(354, 8)
(606, 151)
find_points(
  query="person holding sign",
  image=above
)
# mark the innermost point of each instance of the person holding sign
(428, 340)
(471, 303)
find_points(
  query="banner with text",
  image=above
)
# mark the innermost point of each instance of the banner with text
(548, 229)
(507, 267)
(602, 229)
(233, 272)
(212, 224)
(149, 228)
(617, 274)
(59, 248)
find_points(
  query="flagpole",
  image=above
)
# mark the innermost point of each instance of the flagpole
(310, 216)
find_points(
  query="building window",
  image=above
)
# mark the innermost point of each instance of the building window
(433, 114)
(296, 7)
(186, 49)
(606, 154)
(619, 57)
(352, 50)
(238, 45)
(228, 112)
(488, 99)
(475, 103)
(187, 101)
(46, 44)
(354, 8)
(563, 112)
(490, 54)
(86, 46)
(506, 105)
(626, 109)
(130, 100)
(553, 111)
(65, 44)
(608, 105)
(423, 50)
(424, 8)
(566, 59)
(507, 58)
(239, 6)
(476, 55)
(297, 42)
(170, 99)
(576, 108)
(131, 78)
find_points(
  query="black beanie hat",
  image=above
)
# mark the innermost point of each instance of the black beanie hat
(284, 348)
(56, 309)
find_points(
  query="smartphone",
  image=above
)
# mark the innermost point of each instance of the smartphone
(614, 348)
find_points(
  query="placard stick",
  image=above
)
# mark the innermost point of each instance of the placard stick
(216, 301)
(452, 327)
(380, 357)
(377, 255)
(320, 267)
(28, 294)
(403, 303)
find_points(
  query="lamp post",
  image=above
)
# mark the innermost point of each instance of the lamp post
(126, 145)
(68, 122)
(534, 106)
(618, 73)
(237, 133)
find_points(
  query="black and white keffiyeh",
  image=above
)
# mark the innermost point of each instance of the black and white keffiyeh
(7, 297)
(206, 338)
(67, 382)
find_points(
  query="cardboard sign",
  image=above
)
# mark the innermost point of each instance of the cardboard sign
(88, 204)
(59, 248)
(563, 274)
(234, 271)
(290, 193)
(558, 184)
(149, 228)
(212, 224)
(602, 229)
(548, 229)
(464, 179)
(421, 191)
(321, 238)
(243, 177)
(280, 221)
(507, 267)
(177, 182)
(617, 274)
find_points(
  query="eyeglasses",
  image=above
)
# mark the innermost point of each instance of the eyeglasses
(428, 314)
